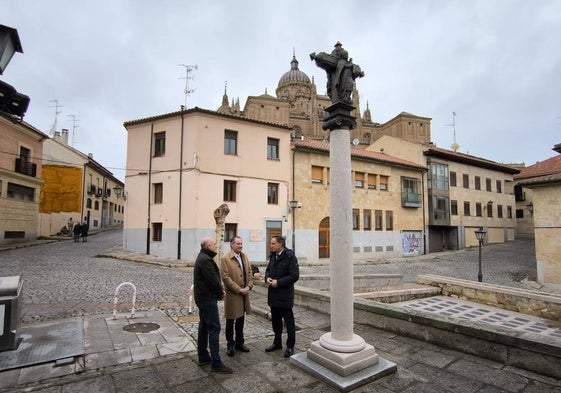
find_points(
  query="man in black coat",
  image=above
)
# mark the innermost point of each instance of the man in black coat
(207, 289)
(281, 274)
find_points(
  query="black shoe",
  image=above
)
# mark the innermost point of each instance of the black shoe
(289, 352)
(204, 362)
(221, 369)
(230, 351)
(242, 348)
(273, 347)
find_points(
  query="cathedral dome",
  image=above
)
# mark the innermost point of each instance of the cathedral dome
(294, 75)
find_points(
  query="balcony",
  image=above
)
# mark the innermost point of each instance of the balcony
(411, 199)
(25, 167)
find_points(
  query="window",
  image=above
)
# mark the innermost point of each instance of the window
(273, 193)
(378, 220)
(440, 207)
(499, 186)
(489, 210)
(389, 220)
(519, 194)
(478, 209)
(229, 191)
(159, 144)
(500, 211)
(467, 211)
(509, 212)
(157, 231)
(356, 219)
(383, 183)
(477, 183)
(371, 181)
(454, 208)
(519, 213)
(231, 142)
(317, 174)
(488, 184)
(96, 205)
(410, 192)
(367, 219)
(452, 179)
(272, 149)
(158, 193)
(89, 203)
(14, 235)
(22, 193)
(359, 179)
(465, 181)
(438, 176)
(230, 230)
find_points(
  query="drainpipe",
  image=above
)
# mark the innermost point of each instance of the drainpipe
(424, 215)
(180, 187)
(294, 209)
(149, 183)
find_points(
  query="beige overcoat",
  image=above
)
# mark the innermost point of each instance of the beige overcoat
(232, 276)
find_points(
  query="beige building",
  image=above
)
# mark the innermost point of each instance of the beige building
(464, 193)
(21, 147)
(182, 166)
(298, 104)
(76, 187)
(387, 198)
(538, 193)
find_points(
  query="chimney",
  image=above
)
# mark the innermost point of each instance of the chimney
(90, 156)
(57, 136)
(65, 136)
(557, 148)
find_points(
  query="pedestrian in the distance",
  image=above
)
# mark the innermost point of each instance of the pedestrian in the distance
(238, 282)
(207, 288)
(281, 274)
(85, 227)
(77, 230)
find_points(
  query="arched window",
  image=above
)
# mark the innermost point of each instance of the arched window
(96, 205)
(89, 203)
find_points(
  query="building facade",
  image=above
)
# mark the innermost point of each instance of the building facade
(182, 166)
(464, 193)
(387, 195)
(21, 149)
(76, 187)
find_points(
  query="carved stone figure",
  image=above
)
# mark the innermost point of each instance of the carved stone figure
(341, 73)
(220, 214)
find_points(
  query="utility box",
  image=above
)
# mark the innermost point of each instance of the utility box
(10, 311)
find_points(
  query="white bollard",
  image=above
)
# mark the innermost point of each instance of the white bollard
(116, 299)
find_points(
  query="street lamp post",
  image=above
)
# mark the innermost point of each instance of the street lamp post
(293, 206)
(480, 235)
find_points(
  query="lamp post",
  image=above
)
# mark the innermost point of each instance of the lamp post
(480, 235)
(293, 206)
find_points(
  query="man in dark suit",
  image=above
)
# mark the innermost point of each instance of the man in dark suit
(281, 274)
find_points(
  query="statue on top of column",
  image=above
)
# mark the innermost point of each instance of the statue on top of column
(341, 73)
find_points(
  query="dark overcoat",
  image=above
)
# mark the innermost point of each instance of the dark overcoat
(283, 268)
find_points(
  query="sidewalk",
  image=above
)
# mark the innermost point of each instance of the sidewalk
(165, 360)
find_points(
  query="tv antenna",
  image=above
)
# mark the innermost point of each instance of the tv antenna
(188, 70)
(454, 146)
(74, 126)
(57, 112)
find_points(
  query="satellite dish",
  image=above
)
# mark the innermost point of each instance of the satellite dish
(356, 142)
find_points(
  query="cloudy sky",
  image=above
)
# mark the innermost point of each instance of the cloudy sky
(495, 63)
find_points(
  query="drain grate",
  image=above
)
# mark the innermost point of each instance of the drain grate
(141, 327)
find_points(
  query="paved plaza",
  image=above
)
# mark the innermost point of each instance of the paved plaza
(64, 280)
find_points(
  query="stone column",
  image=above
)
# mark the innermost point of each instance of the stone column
(220, 214)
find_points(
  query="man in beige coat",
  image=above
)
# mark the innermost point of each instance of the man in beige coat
(238, 281)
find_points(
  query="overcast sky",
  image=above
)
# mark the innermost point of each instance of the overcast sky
(495, 63)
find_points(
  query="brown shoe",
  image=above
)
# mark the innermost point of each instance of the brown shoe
(221, 369)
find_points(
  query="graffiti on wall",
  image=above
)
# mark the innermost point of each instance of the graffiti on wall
(412, 242)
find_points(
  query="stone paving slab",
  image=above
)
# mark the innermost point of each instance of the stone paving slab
(462, 309)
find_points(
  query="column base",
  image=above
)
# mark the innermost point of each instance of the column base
(343, 363)
(366, 375)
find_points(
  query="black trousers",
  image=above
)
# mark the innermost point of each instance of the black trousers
(277, 316)
(236, 324)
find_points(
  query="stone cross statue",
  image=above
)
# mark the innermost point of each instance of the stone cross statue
(341, 73)
(220, 214)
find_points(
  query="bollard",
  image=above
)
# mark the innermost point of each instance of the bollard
(190, 300)
(117, 298)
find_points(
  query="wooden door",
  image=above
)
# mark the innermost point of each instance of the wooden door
(323, 237)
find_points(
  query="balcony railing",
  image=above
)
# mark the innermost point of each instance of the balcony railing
(25, 167)
(411, 199)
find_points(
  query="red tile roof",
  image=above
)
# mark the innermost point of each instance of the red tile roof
(320, 146)
(550, 166)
